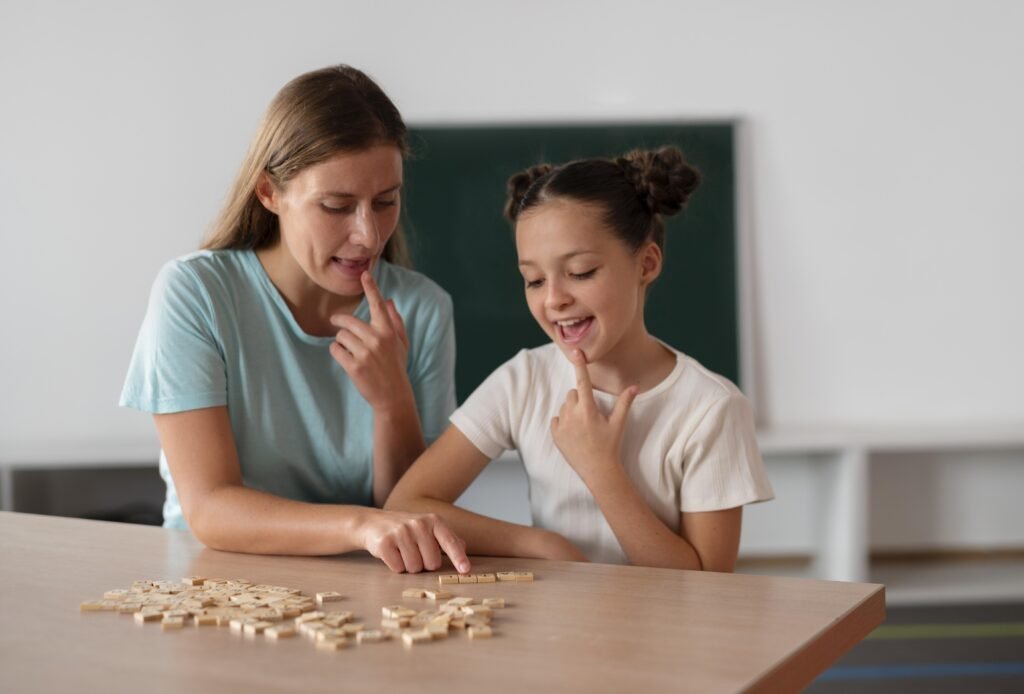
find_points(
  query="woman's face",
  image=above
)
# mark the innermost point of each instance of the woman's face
(336, 216)
(584, 286)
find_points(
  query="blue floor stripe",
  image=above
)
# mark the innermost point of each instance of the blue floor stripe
(880, 672)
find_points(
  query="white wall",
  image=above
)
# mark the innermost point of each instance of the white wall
(883, 160)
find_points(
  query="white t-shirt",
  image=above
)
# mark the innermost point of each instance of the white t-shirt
(689, 445)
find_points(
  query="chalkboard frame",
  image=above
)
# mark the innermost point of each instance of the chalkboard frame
(454, 194)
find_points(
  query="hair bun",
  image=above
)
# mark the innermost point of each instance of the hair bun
(519, 184)
(661, 177)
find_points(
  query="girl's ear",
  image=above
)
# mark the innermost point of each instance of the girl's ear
(267, 192)
(650, 263)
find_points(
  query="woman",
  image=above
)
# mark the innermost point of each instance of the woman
(288, 393)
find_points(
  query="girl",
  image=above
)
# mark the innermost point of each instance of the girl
(634, 452)
(289, 395)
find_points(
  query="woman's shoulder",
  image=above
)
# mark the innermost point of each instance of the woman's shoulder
(409, 288)
(207, 271)
(207, 263)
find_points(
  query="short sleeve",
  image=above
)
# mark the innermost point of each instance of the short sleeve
(178, 363)
(432, 371)
(489, 415)
(722, 465)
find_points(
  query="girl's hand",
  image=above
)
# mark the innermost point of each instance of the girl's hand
(588, 440)
(374, 354)
(412, 542)
(551, 545)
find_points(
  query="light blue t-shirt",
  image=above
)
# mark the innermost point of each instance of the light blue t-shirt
(217, 332)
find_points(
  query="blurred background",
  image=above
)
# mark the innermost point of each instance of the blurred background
(879, 234)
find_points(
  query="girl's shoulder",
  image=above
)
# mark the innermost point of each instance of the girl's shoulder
(698, 383)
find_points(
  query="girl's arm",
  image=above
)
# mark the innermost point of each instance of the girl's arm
(592, 445)
(441, 475)
(224, 514)
(707, 541)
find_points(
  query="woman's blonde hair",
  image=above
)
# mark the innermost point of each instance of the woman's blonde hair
(313, 117)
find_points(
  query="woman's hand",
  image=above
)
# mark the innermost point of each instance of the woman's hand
(374, 354)
(588, 440)
(412, 542)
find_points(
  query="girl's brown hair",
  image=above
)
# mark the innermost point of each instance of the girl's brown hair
(313, 117)
(635, 191)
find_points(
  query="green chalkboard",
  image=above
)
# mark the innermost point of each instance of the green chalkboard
(454, 196)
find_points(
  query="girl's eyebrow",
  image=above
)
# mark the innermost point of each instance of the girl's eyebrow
(341, 194)
(564, 256)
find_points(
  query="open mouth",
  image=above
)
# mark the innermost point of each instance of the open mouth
(573, 330)
(351, 267)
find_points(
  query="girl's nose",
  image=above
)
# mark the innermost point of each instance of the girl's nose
(557, 297)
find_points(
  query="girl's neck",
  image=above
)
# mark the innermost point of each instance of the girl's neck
(639, 360)
(310, 304)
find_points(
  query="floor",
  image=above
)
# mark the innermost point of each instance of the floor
(974, 647)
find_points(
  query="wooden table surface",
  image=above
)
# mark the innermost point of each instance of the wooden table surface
(577, 628)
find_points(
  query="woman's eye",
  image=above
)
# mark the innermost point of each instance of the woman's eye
(336, 210)
(583, 275)
(381, 204)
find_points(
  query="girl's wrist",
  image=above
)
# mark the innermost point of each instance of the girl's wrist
(606, 475)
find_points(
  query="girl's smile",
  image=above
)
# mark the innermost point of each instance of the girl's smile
(573, 331)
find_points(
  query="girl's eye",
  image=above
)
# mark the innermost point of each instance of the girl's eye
(533, 284)
(583, 275)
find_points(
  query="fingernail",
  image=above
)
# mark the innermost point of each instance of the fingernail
(463, 567)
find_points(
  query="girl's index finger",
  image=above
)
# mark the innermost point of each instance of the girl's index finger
(579, 360)
(378, 311)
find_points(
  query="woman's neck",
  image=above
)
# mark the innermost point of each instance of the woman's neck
(311, 305)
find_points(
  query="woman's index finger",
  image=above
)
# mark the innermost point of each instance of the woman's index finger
(378, 312)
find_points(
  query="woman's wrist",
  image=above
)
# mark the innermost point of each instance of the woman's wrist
(354, 523)
(399, 403)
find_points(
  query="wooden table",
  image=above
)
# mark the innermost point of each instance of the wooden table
(577, 628)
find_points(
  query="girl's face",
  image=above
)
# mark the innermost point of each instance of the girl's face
(336, 216)
(584, 286)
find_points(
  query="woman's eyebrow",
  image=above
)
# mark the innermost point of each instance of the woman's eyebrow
(342, 194)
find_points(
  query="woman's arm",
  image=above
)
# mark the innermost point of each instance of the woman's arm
(374, 355)
(437, 479)
(224, 514)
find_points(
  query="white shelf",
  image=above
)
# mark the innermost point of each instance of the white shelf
(922, 582)
(827, 439)
(842, 545)
(842, 538)
(85, 454)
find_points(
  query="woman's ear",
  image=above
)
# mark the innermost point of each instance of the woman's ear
(650, 263)
(267, 192)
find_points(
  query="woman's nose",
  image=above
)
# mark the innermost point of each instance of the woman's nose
(366, 233)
